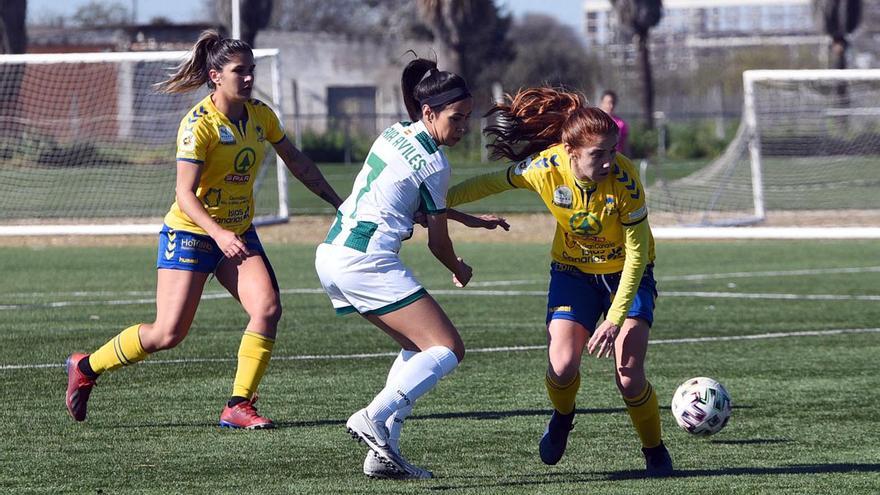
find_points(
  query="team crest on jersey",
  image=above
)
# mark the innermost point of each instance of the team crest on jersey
(610, 205)
(226, 136)
(584, 224)
(187, 141)
(562, 197)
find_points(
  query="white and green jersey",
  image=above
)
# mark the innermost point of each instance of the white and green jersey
(404, 172)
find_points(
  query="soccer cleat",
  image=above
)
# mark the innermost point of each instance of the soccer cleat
(374, 433)
(79, 386)
(658, 464)
(555, 437)
(375, 467)
(244, 415)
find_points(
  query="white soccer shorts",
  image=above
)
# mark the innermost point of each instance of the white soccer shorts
(374, 283)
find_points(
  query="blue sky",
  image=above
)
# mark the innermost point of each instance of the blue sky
(567, 11)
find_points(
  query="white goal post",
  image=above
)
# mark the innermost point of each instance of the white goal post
(806, 156)
(87, 145)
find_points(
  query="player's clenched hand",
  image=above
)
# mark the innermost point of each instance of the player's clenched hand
(463, 275)
(492, 221)
(602, 341)
(231, 245)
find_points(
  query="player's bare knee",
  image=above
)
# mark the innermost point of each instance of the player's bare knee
(564, 369)
(630, 381)
(266, 315)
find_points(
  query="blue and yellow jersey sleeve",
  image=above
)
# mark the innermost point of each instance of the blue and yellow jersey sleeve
(194, 136)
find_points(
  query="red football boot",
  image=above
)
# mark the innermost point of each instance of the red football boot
(79, 386)
(244, 415)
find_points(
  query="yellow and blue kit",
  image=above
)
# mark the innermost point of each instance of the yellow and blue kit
(603, 243)
(230, 154)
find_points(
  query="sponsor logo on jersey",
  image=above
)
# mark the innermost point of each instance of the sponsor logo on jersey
(190, 261)
(244, 160)
(226, 136)
(563, 197)
(237, 178)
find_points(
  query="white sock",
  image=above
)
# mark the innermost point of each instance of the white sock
(394, 423)
(419, 375)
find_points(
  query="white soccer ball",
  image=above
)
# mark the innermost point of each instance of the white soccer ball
(701, 406)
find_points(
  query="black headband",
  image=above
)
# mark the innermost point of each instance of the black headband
(446, 97)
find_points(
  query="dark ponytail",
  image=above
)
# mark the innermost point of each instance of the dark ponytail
(423, 84)
(211, 51)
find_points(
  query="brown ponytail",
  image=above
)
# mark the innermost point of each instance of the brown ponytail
(537, 118)
(211, 51)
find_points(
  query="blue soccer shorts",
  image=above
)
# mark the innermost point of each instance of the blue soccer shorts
(577, 296)
(182, 250)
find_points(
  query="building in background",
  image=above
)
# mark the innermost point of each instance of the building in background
(700, 48)
(691, 29)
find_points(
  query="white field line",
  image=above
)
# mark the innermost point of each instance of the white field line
(472, 293)
(488, 283)
(339, 357)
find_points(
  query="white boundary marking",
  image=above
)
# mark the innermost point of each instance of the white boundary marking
(487, 283)
(477, 292)
(339, 357)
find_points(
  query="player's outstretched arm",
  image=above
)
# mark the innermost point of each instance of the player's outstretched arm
(487, 221)
(304, 169)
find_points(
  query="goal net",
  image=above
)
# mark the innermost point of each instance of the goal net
(807, 154)
(87, 145)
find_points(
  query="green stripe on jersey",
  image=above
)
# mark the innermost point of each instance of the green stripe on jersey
(335, 229)
(427, 142)
(376, 167)
(427, 201)
(360, 235)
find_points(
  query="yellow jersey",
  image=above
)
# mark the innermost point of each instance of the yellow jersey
(601, 227)
(590, 216)
(230, 154)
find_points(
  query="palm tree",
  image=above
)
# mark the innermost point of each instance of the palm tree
(639, 16)
(471, 32)
(838, 19)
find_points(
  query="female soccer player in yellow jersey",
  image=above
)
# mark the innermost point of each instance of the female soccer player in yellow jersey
(220, 147)
(603, 252)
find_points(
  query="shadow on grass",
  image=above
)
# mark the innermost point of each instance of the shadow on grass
(468, 415)
(471, 415)
(560, 477)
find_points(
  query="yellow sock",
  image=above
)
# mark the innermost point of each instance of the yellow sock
(645, 415)
(122, 350)
(253, 358)
(562, 395)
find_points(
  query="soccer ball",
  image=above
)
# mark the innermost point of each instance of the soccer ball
(701, 406)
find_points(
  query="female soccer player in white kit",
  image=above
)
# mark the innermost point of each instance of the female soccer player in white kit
(405, 173)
